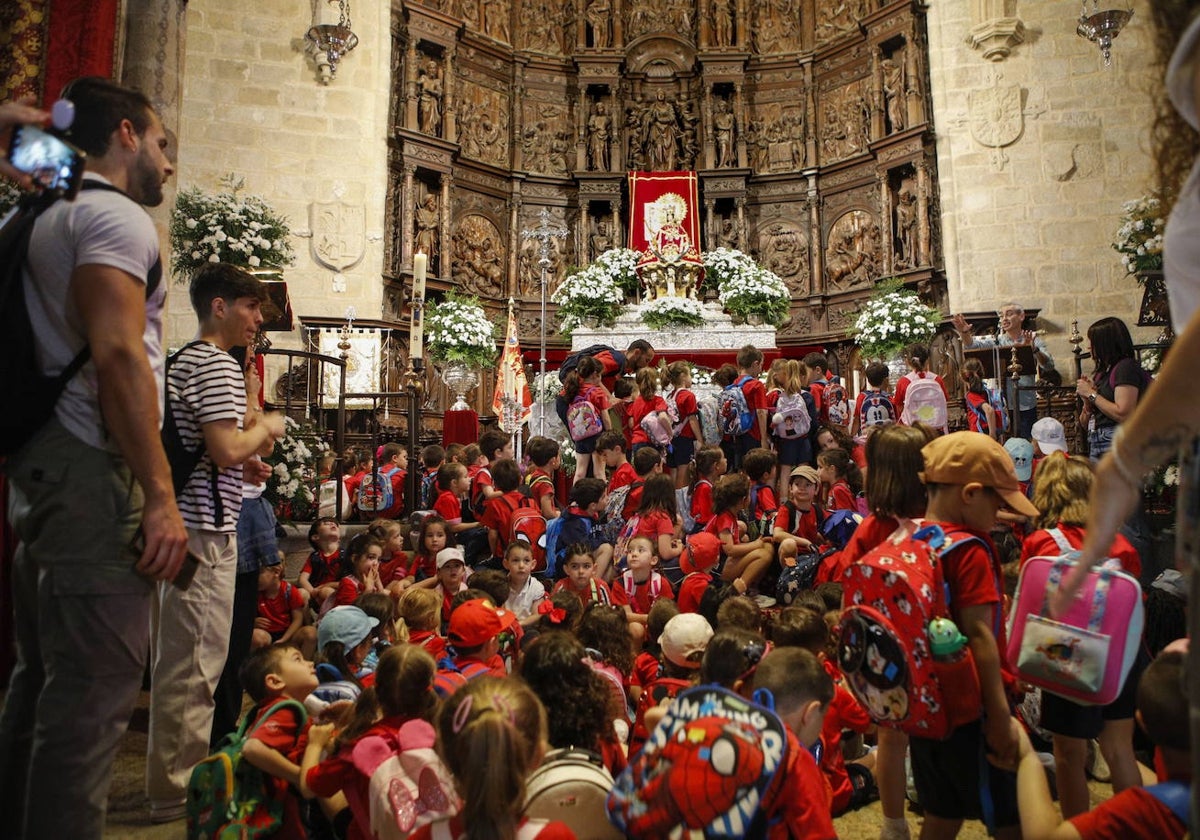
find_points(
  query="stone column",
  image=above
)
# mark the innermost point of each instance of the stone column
(585, 236)
(618, 232)
(450, 122)
(581, 133)
(513, 283)
(408, 205)
(581, 23)
(445, 180)
(740, 23)
(923, 230)
(878, 128)
(739, 120)
(708, 149)
(740, 203)
(710, 224)
(810, 119)
(411, 97)
(816, 248)
(912, 86)
(706, 33)
(887, 226)
(618, 24)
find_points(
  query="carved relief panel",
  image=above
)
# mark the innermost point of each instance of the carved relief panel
(783, 248)
(483, 123)
(845, 115)
(479, 255)
(677, 17)
(836, 18)
(776, 26)
(775, 138)
(561, 254)
(543, 26)
(547, 141)
(852, 251)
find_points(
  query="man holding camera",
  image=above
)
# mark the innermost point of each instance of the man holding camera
(90, 479)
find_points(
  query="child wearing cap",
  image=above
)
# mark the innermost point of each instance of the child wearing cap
(683, 642)
(969, 477)
(1049, 437)
(798, 521)
(1021, 452)
(698, 561)
(475, 628)
(451, 576)
(344, 639)
(281, 613)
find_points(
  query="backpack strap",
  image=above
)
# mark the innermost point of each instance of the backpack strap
(1175, 796)
(1060, 539)
(301, 713)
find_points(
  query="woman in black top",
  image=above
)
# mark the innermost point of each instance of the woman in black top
(1111, 393)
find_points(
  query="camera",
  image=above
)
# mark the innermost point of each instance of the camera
(53, 163)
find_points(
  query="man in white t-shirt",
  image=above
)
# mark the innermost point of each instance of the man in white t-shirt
(84, 483)
(207, 402)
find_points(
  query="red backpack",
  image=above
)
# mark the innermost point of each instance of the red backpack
(889, 598)
(529, 526)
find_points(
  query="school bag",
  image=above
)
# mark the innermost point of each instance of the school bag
(583, 420)
(571, 786)
(659, 434)
(837, 404)
(924, 402)
(683, 504)
(375, 493)
(791, 419)
(889, 598)
(760, 523)
(797, 574)
(707, 766)
(629, 527)
(659, 689)
(732, 409)
(409, 785)
(529, 526)
(839, 526)
(596, 350)
(630, 586)
(450, 676)
(555, 547)
(677, 422)
(429, 490)
(996, 401)
(1086, 654)
(710, 419)
(228, 798)
(876, 410)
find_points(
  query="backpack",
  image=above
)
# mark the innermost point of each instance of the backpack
(839, 526)
(35, 394)
(583, 420)
(996, 401)
(683, 504)
(621, 546)
(924, 402)
(732, 409)
(375, 493)
(450, 677)
(659, 689)
(673, 411)
(889, 598)
(659, 434)
(429, 490)
(798, 574)
(876, 410)
(837, 405)
(554, 550)
(228, 797)
(630, 586)
(615, 505)
(791, 418)
(707, 766)
(409, 785)
(571, 786)
(760, 522)
(182, 460)
(529, 526)
(710, 420)
(571, 362)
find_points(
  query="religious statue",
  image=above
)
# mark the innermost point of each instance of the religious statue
(600, 241)
(689, 138)
(723, 129)
(728, 237)
(635, 154)
(428, 221)
(599, 128)
(670, 266)
(893, 94)
(906, 228)
(429, 113)
(495, 19)
(662, 135)
(598, 16)
(723, 22)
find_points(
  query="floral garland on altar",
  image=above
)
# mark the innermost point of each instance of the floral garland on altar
(893, 318)
(744, 287)
(459, 331)
(665, 312)
(597, 292)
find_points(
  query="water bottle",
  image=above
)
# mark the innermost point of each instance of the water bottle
(955, 669)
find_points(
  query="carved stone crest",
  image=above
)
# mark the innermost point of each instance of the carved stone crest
(995, 115)
(339, 239)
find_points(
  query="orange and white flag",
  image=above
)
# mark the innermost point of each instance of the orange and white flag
(510, 373)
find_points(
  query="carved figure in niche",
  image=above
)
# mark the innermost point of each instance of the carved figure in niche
(599, 130)
(833, 134)
(662, 134)
(690, 138)
(428, 220)
(795, 130)
(429, 110)
(478, 261)
(777, 23)
(728, 237)
(893, 94)
(758, 145)
(600, 241)
(495, 19)
(723, 129)
(599, 18)
(559, 147)
(784, 252)
(723, 23)
(634, 131)
(544, 26)
(906, 228)
(852, 255)
(468, 10)
(679, 16)
(529, 270)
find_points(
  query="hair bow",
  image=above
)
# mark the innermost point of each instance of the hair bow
(556, 614)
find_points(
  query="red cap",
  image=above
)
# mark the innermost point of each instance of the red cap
(701, 554)
(474, 623)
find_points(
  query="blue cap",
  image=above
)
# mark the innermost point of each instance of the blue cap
(348, 625)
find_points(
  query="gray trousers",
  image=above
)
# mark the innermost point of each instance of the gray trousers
(82, 620)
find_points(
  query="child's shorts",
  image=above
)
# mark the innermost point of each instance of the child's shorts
(680, 454)
(947, 775)
(586, 446)
(1073, 720)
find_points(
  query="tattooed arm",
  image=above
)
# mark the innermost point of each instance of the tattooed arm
(1164, 421)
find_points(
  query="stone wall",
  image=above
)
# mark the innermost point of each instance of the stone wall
(1036, 153)
(253, 106)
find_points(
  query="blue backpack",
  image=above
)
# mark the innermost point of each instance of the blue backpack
(733, 412)
(876, 410)
(996, 401)
(554, 529)
(375, 493)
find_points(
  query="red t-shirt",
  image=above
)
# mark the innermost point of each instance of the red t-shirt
(840, 497)
(395, 568)
(817, 389)
(974, 578)
(653, 524)
(348, 591)
(481, 479)
(798, 802)
(685, 402)
(905, 381)
(322, 568)
(638, 412)
(541, 484)
(596, 591)
(726, 521)
(756, 400)
(645, 669)
(806, 527)
(869, 533)
(702, 502)
(1131, 813)
(497, 515)
(448, 506)
(633, 501)
(284, 733)
(1041, 544)
(622, 475)
(640, 596)
(976, 422)
(763, 501)
(277, 609)
(691, 590)
(352, 484)
(430, 640)
(458, 830)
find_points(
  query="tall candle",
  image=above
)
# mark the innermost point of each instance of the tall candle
(417, 327)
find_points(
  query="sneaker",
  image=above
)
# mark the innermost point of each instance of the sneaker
(764, 601)
(165, 812)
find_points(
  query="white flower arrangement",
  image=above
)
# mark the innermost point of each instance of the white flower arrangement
(590, 293)
(545, 387)
(672, 312)
(290, 487)
(225, 227)
(892, 319)
(1140, 236)
(458, 330)
(744, 288)
(621, 264)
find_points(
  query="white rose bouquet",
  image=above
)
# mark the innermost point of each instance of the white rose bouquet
(1140, 236)
(458, 330)
(744, 288)
(672, 312)
(892, 319)
(290, 487)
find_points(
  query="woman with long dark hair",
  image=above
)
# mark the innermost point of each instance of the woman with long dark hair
(1111, 393)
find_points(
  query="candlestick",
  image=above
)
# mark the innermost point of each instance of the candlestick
(417, 326)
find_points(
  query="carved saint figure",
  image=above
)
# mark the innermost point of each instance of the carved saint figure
(600, 241)
(662, 138)
(723, 128)
(728, 237)
(906, 228)
(598, 17)
(495, 19)
(634, 157)
(428, 219)
(429, 112)
(723, 23)
(599, 130)
(893, 94)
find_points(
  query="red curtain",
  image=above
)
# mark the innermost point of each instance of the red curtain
(645, 189)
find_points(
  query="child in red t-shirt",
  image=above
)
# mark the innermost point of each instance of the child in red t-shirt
(278, 738)
(580, 578)
(546, 458)
(365, 551)
(743, 558)
(684, 412)
(981, 416)
(841, 478)
(498, 511)
(760, 465)
(798, 520)
(281, 613)
(648, 403)
(611, 447)
(451, 577)
(640, 586)
(657, 517)
(393, 564)
(453, 485)
(583, 383)
(421, 611)
(646, 462)
(323, 568)
(494, 445)
(698, 562)
(710, 465)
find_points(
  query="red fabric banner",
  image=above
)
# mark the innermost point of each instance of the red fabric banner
(658, 202)
(81, 42)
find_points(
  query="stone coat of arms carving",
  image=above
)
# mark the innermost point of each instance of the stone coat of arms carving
(996, 119)
(339, 239)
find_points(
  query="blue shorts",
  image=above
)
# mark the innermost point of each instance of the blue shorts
(682, 450)
(793, 451)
